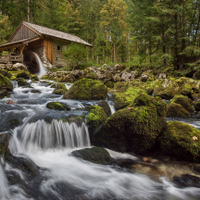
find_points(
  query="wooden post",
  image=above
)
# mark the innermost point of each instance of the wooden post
(10, 54)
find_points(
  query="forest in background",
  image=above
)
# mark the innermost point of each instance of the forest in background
(143, 33)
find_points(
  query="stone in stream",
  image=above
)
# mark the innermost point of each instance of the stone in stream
(177, 110)
(22, 163)
(22, 82)
(187, 180)
(60, 89)
(95, 119)
(184, 101)
(105, 106)
(135, 128)
(181, 141)
(87, 89)
(97, 155)
(5, 87)
(57, 106)
(24, 75)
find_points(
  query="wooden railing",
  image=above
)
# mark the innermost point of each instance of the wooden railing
(16, 58)
(4, 59)
(12, 58)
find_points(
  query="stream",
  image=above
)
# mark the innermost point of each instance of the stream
(47, 142)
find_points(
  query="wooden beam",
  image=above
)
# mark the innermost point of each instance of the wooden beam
(34, 39)
(21, 49)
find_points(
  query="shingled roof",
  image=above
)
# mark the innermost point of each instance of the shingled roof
(38, 31)
(55, 33)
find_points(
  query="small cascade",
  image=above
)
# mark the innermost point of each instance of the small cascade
(42, 70)
(58, 134)
(3, 184)
(112, 107)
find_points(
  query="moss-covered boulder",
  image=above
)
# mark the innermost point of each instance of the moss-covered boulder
(177, 110)
(181, 140)
(161, 106)
(60, 89)
(105, 106)
(4, 141)
(127, 97)
(23, 74)
(87, 89)
(149, 90)
(197, 105)
(61, 86)
(132, 129)
(5, 84)
(95, 119)
(21, 82)
(121, 87)
(166, 93)
(184, 101)
(109, 84)
(5, 73)
(97, 155)
(34, 77)
(57, 106)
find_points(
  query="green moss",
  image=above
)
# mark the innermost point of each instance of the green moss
(184, 101)
(59, 91)
(161, 106)
(105, 106)
(61, 86)
(87, 89)
(21, 82)
(4, 141)
(97, 115)
(57, 106)
(109, 84)
(121, 86)
(131, 129)
(122, 100)
(96, 155)
(181, 141)
(13, 77)
(142, 100)
(45, 77)
(34, 78)
(177, 110)
(5, 84)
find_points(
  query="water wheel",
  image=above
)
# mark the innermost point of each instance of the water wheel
(32, 63)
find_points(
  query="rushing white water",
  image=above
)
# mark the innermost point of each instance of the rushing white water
(3, 184)
(56, 134)
(64, 177)
(42, 70)
(112, 107)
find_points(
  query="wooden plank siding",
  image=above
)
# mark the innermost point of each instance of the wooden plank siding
(23, 33)
(48, 43)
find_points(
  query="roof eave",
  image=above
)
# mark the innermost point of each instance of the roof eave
(86, 44)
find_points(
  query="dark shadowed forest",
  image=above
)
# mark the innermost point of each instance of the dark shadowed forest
(153, 33)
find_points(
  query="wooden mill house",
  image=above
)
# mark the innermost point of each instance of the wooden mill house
(47, 43)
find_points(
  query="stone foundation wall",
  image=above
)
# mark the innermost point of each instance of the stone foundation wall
(58, 59)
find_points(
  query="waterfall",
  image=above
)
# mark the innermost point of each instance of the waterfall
(58, 134)
(42, 70)
(112, 107)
